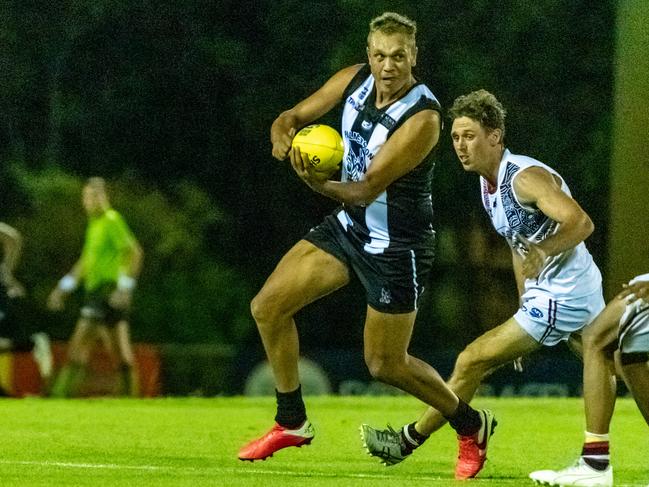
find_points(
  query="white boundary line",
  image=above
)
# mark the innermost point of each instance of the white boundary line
(108, 466)
(244, 470)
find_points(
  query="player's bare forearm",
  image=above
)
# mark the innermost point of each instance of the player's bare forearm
(136, 257)
(281, 134)
(534, 261)
(354, 193)
(575, 226)
(539, 188)
(311, 108)
(77, 270)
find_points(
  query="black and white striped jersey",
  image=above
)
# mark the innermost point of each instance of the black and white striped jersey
(401, 216)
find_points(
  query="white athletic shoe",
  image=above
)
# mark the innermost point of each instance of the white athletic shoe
(42, 354)
(580, 474)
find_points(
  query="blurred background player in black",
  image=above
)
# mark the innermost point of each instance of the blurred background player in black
(13, 334)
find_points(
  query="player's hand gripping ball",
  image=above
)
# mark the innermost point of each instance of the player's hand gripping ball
(323, 145)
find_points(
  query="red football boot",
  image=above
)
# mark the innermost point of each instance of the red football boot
(473, 449)
(276, 439)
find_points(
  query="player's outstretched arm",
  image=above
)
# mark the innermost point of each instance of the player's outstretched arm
(133, 259)
(311, 108)
(66, 285)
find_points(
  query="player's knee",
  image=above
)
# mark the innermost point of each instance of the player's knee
(255, 307)
(471, 362)
(261, 308)
(598, 343)
(266, 309)
(382, 366)
(602, 331)
(377, 368)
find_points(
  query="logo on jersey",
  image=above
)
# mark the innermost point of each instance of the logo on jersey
(355, 164)
(366, 124)
(363, 92)
(358, 104)
(386, 297)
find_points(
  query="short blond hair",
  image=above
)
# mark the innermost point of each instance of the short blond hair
(393, 23)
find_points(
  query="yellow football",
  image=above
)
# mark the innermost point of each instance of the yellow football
(323, 145)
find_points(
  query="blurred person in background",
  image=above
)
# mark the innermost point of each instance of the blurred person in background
(109, 265)
(559, 285)
(622, 329)
(12, 335)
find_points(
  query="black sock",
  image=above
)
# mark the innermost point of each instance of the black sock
(412, 438)
(291, 412)
(465, 420)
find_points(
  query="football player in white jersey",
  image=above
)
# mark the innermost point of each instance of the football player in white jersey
(382, 233)
(559, 285)
(623, 325)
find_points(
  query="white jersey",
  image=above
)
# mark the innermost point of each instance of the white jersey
(571, 274)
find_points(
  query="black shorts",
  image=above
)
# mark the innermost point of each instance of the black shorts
(12, 316)
(97, 308)
(393, 280)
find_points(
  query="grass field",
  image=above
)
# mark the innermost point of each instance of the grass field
(194, 442)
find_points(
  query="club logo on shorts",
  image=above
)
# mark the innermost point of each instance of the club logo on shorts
(386, 297)
(536, 313)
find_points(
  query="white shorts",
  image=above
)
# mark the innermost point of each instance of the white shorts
(633, 335)
(550, 320)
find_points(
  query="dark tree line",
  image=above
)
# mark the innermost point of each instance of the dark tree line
(166, 95)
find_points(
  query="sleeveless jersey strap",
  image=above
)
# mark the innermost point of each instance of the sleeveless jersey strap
(357, 80)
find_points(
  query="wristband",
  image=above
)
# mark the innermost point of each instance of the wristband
(68, 283)
(125, 283)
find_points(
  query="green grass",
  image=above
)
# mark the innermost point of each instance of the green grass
(194, 442)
